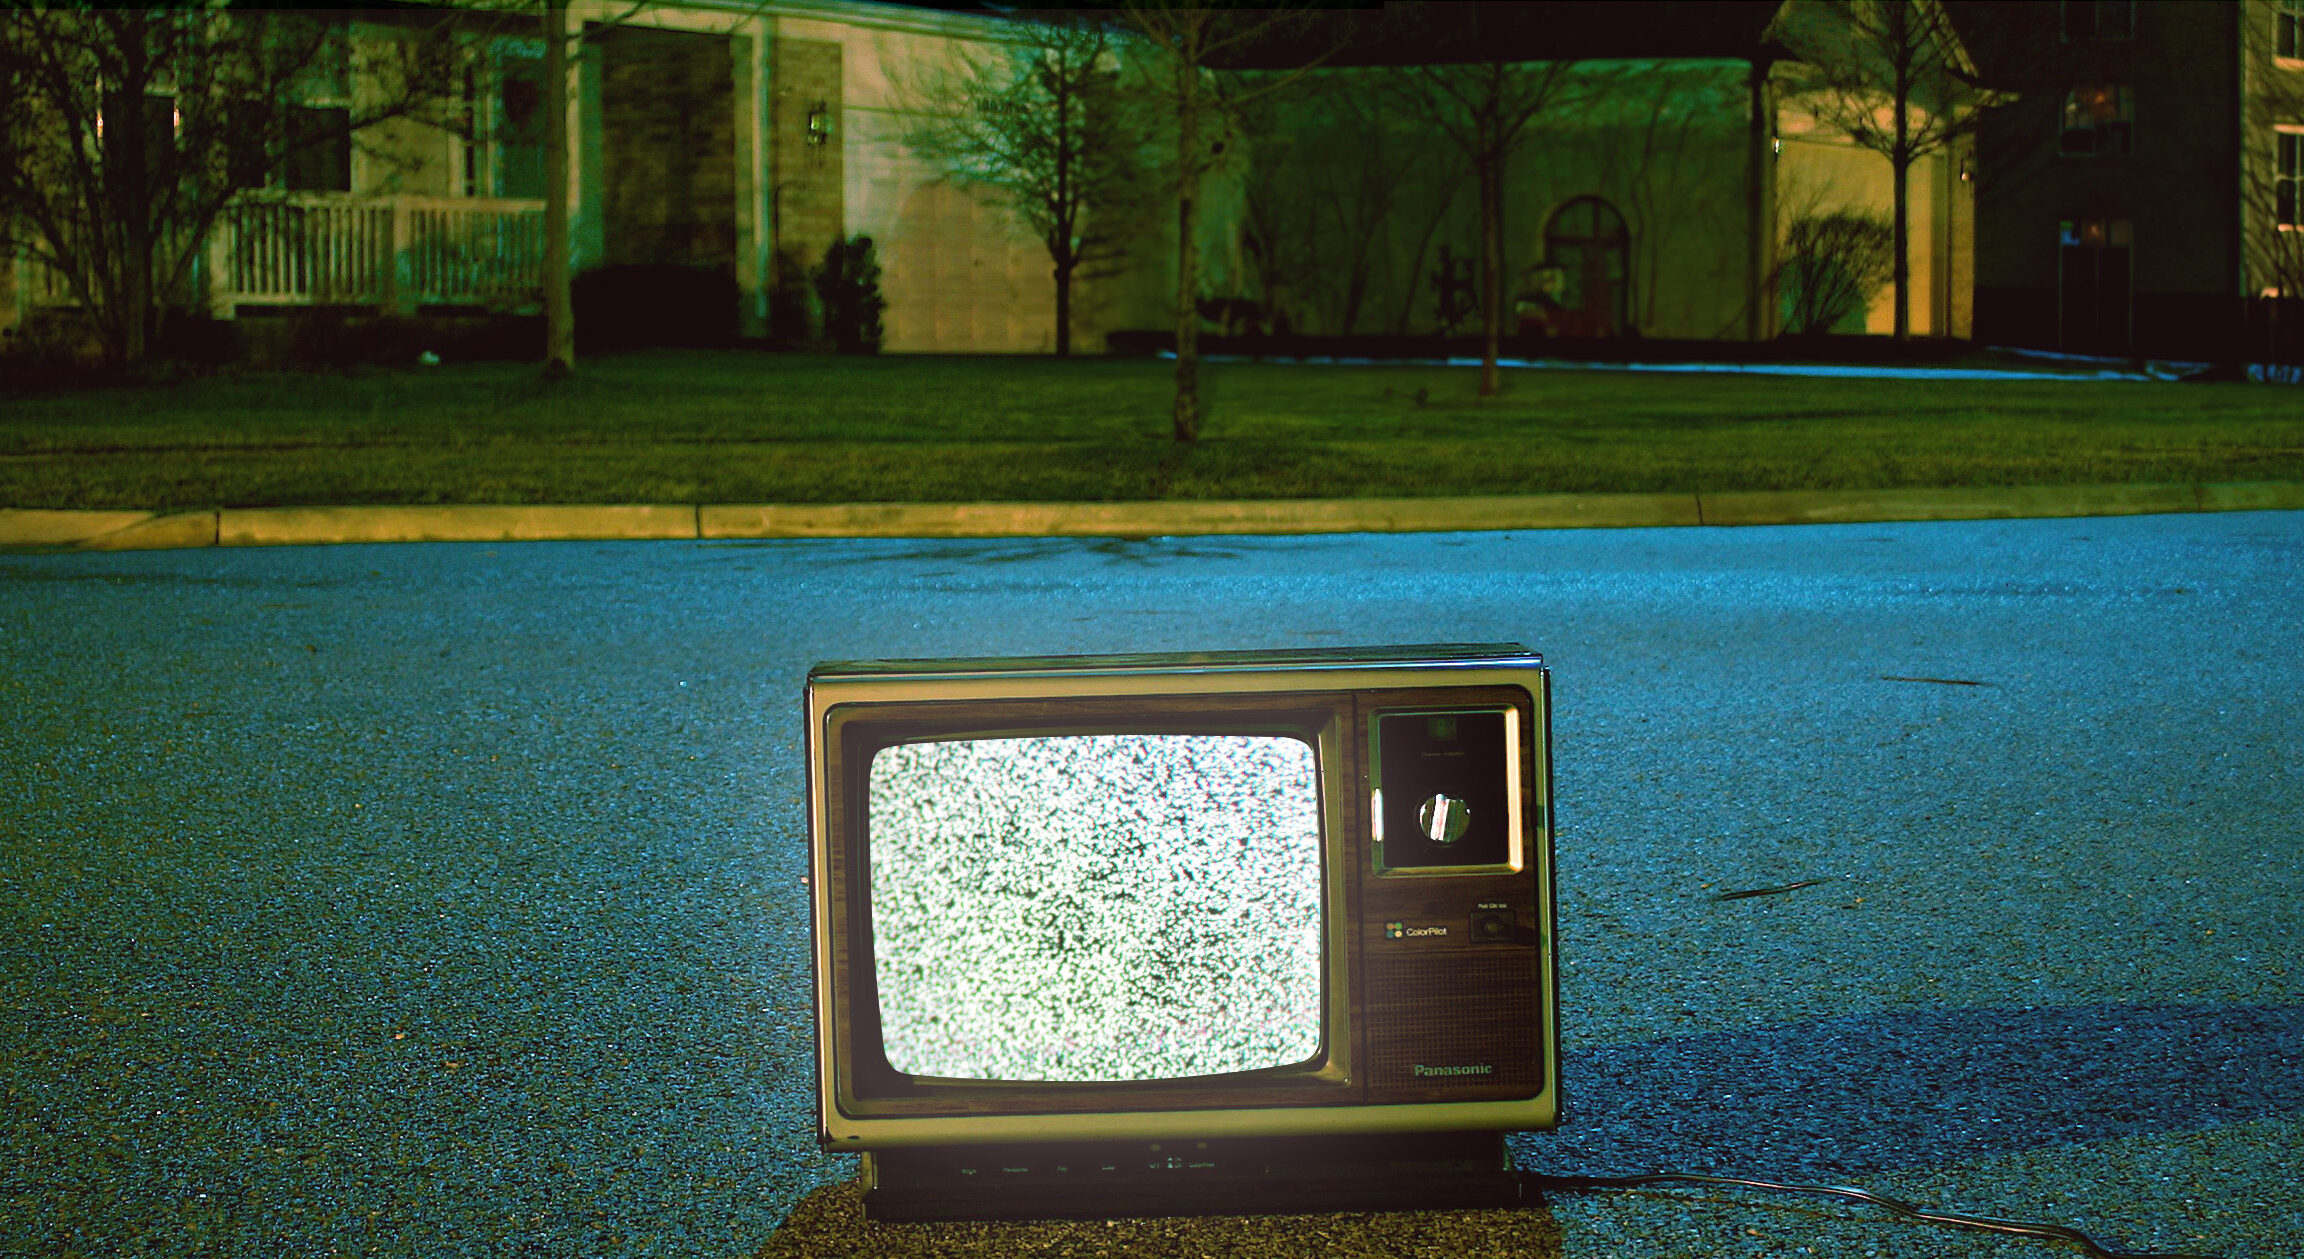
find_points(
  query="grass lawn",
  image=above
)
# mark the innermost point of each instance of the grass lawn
(741, 427)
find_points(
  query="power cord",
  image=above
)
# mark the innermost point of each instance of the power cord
(2053, 1232)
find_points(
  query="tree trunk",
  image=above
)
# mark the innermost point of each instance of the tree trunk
(559, 298)
(1901, 162)
(1187, 408)
(135, 302)
(1064, 309)
(1491, 267)
(1064, 210)
(1903, 256)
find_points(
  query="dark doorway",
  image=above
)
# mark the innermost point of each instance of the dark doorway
(668, 139)
(1587, 243)
(2092, 279)
(667, 272)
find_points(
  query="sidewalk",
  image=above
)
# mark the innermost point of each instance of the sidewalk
(310, 526)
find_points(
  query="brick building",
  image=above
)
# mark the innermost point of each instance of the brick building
(2138, 197)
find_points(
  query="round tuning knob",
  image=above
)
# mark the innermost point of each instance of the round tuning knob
(1444, 818)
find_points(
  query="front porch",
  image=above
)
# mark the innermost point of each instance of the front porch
(397, 254)
(391, 254)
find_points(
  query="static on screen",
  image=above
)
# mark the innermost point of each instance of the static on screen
(1096, 907)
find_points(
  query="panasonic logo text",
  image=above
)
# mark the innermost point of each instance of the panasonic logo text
(1476, 1069)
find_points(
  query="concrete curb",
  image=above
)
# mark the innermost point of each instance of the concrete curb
(293, 526)
(310, 526)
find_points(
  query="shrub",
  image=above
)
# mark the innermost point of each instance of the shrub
(1832, 266)
(323, 336)
(793, 317)
(848, 289)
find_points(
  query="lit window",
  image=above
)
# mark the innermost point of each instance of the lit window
(2288, 185)
(2290, 40)
(2096, 233)
(2098, 19)
(2097, 122)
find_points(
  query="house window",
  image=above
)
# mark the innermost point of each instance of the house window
(308, 148)
(1587, 244)
(2098, 19)
(162, 125)
(504, 123)
(2096, 233)
(2289, 39)
(318, 154)
(302, 143)
(2097, 121)
(316, 132)
(520, 127)
(2288, 182)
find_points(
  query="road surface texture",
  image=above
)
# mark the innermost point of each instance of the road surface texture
(446, 900)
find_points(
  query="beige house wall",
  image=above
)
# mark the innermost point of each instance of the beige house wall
(959, 272)
(1819, 171)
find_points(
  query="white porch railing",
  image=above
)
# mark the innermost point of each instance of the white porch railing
(398, 253)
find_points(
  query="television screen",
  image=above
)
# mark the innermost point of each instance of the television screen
(1096, 907)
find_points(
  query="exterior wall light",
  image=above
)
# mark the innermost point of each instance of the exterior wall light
(819, 123)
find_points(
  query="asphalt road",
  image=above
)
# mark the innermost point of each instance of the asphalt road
(445, 900)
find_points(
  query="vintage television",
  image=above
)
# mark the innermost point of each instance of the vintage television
(1141, 934)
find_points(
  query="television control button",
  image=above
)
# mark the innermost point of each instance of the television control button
(1444, 818)
(1491, 926)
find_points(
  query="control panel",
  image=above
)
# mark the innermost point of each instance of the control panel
(1446, 792)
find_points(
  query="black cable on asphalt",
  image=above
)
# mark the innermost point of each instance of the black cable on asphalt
(2053, 1232)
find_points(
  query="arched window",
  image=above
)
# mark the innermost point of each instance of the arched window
(1588, 245)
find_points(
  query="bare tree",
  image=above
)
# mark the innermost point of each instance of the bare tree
(1185, 40)
(1047, 130)
(1891, 76)
(1484, 108)
(1442, 190)
(125, 132)
(1640, 123)
(1334, 176)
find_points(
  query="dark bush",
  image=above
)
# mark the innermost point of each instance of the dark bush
(848, 290)
(326, 337)
(642, 306)
(197, 339)
(793, 317)
(54, 336)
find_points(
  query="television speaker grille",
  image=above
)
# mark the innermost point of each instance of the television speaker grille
(1453, 1021)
